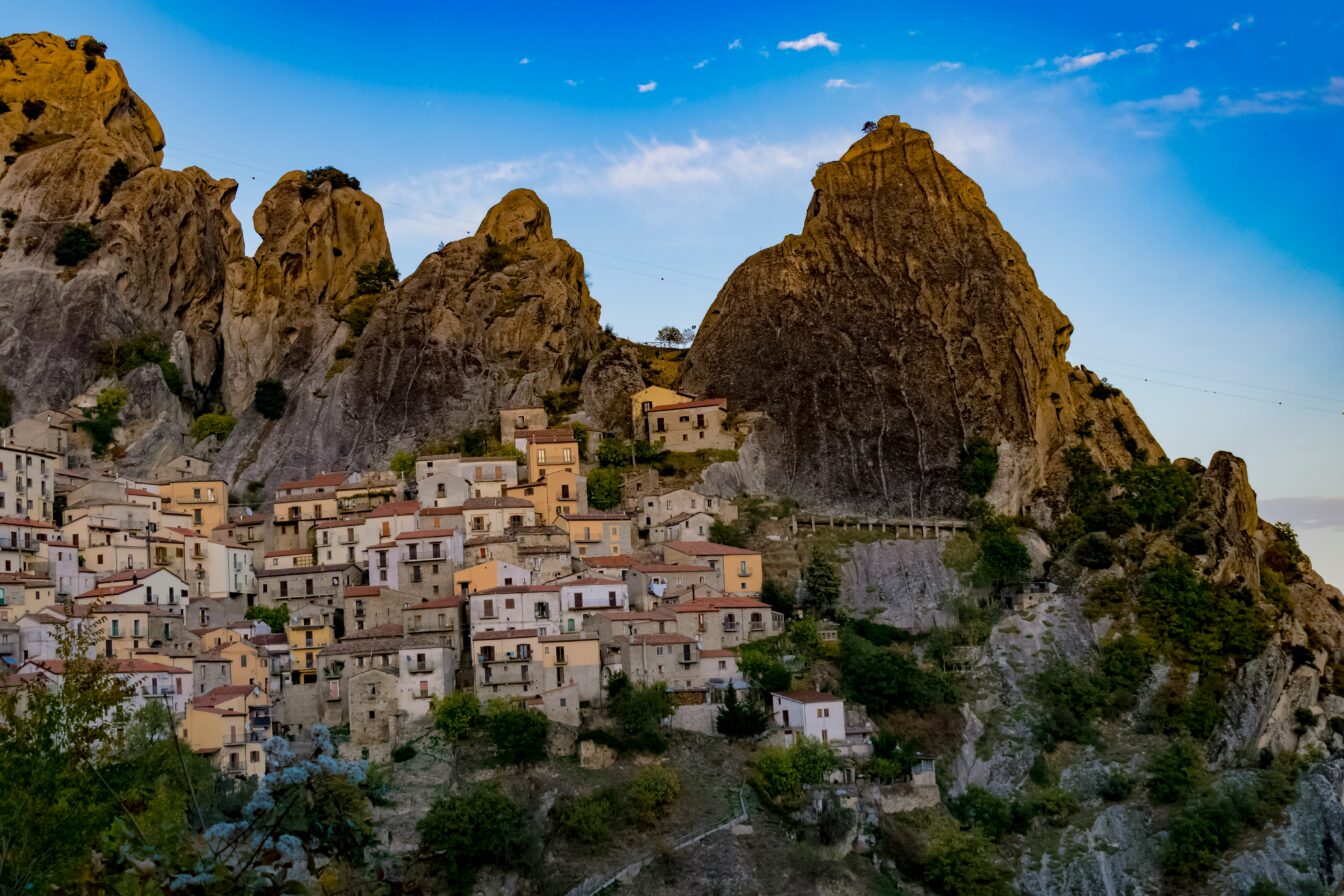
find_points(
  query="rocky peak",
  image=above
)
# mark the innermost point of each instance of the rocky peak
(905, 320)
(285, 304)
(520, 217)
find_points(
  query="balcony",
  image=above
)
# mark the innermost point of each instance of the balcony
(507, 675)
(757, 625)
(420, 667)
(419, 627)
(609, 603)
(688, 659)
(561, 659)
(17, 544)
(730, 626)
(241, 739)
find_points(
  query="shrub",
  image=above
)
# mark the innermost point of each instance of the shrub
(587, 818)
(883, 680)
(456, 714)
(728, 534)
(1095, 552)
(1054, 804)
(101, 421)
(270, 398)
(95, 48)
(774, 775)
(994, 816)
(652, 790)
(812, 759)
(357, 313)
(403, 464)
(639, 710)
(276, 618)
(376, 276)
(979, 465)
(604, 488)
(1190, 538)
(33, 109)
(316, 177)
(1088, 480)
(462, 834)
(403, 752)
(612, 452)
(1071, 703)
(1107, 596)
(1123, 665)
(764, 670)
(1003, 557)
(116, 175)
(517, 733)
(1305, 719)
(1158, 493)
(6, 52)
(207, 425)
(1201, 623)
(1283, 554)
(961, 863)
(498, 256)
(75, 243)
(834, 822)
(777, 597)
(741, 718)
(1103, 390)
(1116, 787)
(1176, 773)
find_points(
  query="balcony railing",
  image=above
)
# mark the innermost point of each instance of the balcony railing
(730, 626)
(420, 667)
(417, 627)
(602, 604)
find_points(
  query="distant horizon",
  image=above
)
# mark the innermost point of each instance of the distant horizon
(1170, 173)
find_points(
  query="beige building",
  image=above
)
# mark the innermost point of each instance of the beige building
(691, 425)
(27, 482)
(737, 570)
(506, 664)
(597, 534)
(230, 725)
(647, 399)
(206, 501)
(513, 420)
(548, 451)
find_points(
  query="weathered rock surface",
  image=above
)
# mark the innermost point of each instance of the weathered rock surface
(607, 384)
(281, 310)
(497, 319)
(901, 582)
(902, 320)
(166, 236)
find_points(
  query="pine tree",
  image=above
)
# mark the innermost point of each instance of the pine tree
(741, 718)
(821, 583)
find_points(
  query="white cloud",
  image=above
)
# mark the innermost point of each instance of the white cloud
(1334, 92)
(839, 83)
(811, 42)
(1185, 101)
(1146, 48)
(524, 61)
(571, 82)
(945, 66)
(1265, 102)
(1191, 44)
(1070, 64)
(736, 44)
(701, 64)
(648, 88)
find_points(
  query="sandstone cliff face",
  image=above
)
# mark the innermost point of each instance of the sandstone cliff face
(166, 236)
(282, 307)
(502, 317)
(902, 320)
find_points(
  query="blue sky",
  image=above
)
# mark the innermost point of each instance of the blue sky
(1170, 169)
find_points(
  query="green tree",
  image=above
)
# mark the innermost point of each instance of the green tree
(651, 792)
(75, 243)
(979, 465)
(587, 818)
(639, 710)
(1177, 772)
(456, 714)
(728, 534)
(883, 680)
(1158, 493)
(101, 421)
(612, 452)
(460, 835)
(403, 465)
(517, 733)
(376, 276)
(207, 425)
(270, 398)
(821, 583)
(670, 336)
(762, 667)
(739, 719)
(1003, 557)
(604, 488)
(961, 863)
(275, 617)
(774, 775)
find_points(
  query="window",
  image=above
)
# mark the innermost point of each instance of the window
(541, 456)
(567, 456)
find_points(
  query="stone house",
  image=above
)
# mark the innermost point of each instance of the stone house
(512, 420)
(691, 425)
(374, 707)
(535, 607)
(597, 534)
(506, 664)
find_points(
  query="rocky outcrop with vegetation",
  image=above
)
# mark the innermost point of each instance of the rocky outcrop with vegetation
(900, 323)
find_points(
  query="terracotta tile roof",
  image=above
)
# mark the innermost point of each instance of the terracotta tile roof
(637, 616)
(661, 638)
(687, 405)
(590, 517)
(395, 508)
(489, 539)
(388, 630)
(363, 591)
(123, 666)
(716, 654)
(441, 511)
(495, 503)
(105, 591)
(270, 640)
(506, 634)
(706, 549)
(667, 567)
(216, 696)
(591, 580)
(24, 521)
(353, 521)
(545, 436)
(288, 552)
(321, 480)
(435, 604)
(714, 604)
(425, 533)
(520, 589)
(808, 696)
(126, 575)
(254, 519)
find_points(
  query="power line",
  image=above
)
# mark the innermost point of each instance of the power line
(1270, 401)
(1214, 379)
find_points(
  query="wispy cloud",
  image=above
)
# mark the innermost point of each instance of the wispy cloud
(736, 44)
(1069, 64)
(524, 61)
(1306, 512)
(945, 66)
(840, 84)
(1150, 47)
(1264, 102)
(1188, 99)
(571, 82)
(701, 64)
(1242, 23)
(811, 42)
(647, 88)
(1334, 92)
(1192, 43)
